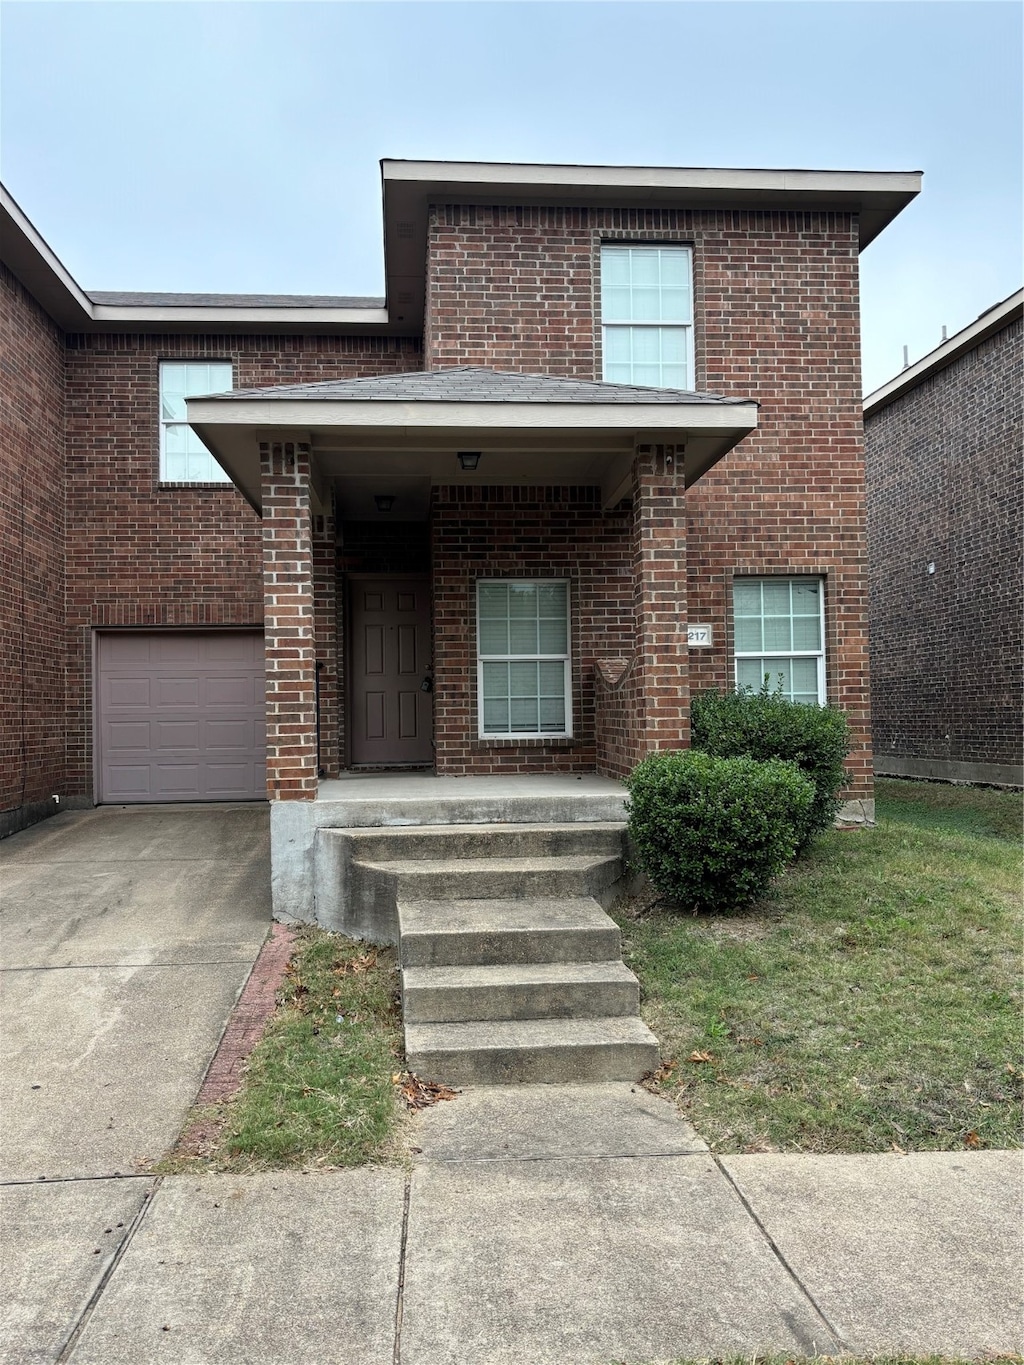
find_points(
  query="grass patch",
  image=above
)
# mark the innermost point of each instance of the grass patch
(871, 1001)
(319, 1088)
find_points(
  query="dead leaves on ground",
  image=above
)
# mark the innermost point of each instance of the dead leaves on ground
(419, 1094)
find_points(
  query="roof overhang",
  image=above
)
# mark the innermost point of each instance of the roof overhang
(991, 321)
(410, 187)
(42, 273)
(520, 443)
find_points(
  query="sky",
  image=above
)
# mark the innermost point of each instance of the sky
(231, 146)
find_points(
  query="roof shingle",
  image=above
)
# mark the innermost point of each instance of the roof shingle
(475, 384)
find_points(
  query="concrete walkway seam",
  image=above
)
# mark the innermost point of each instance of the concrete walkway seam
(115, 1261)
(76, 1179)
(837, 1337)
(396, 1355)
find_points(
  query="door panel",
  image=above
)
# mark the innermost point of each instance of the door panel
(392, 718)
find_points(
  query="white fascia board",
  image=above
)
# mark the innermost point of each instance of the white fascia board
(141, 316)
(313, 415)
(38, 266)
(965, 340)
(648, 177)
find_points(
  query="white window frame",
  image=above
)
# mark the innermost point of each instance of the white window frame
(683, 325)
(790, 654)
(218, 475)
(565, 659)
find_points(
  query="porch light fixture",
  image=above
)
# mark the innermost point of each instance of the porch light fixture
(469, 459)
(384, 501)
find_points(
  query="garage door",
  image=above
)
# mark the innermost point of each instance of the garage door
(180, 716)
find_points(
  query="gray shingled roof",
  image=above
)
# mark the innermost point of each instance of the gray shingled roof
(131, 299)
(475, 384)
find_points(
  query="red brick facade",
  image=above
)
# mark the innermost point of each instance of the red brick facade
(31, 559)
(524, 532)
(143, 553)
(776, 319)
(946, 490)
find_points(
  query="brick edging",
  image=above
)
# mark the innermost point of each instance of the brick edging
(249, 1017)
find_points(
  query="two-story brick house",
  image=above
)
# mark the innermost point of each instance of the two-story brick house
(599, 446)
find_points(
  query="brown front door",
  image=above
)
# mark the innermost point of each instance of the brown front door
(392, 716)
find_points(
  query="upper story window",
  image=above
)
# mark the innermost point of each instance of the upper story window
(183, 457)
(647, 315)
(779, 627)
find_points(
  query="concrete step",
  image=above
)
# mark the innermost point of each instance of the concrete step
(418, 879)
(481, 841)
(545, 990)
(539, 1051)
(487, 933)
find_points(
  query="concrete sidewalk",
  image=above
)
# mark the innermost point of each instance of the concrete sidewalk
(535, 1226)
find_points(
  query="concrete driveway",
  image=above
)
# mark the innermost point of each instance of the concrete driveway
(126, 935)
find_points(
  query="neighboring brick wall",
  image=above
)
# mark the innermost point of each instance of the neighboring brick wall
(31, 559)
(945, 487)
(618, 716)
(524, 532)
(145, 554)
(776, 319)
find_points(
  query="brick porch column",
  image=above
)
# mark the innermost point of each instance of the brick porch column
(659, 586)
(289, 622)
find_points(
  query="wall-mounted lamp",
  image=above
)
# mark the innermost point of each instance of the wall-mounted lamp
(384, 501)
(469, 459)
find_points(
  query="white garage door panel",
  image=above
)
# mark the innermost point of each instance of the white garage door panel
(180, 716)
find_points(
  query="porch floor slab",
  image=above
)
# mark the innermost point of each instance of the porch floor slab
(427, 786)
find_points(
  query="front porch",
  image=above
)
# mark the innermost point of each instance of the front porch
(477, 572)
(309, 883)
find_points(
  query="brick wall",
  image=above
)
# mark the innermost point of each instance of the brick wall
(31, 559)
(776, 319)
(290, 622)
(524, 532)
(145, 554)
(945, 488)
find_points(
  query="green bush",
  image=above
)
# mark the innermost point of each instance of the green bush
(765, 725)
(710, 833)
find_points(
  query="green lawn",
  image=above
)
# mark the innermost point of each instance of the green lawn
(871, 1002)
(320, 1087)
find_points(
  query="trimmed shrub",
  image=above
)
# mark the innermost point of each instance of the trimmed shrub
(765, 725)
(710, 833)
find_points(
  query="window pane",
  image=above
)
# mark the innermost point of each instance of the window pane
(551, 679)
(493, 637)
(522, 600)
(775, 596)
(806, 597)
(494, 600)
(552, 638)
(553, 599)
(174, 468)
(523, 717)
(750, 673)
(807, 632)
(522, 679)
(522, 637)
(552, 715)
(778, 633)
(175, 439)
(496, 716)
(748, 635)
(495, 681)
(746, 595)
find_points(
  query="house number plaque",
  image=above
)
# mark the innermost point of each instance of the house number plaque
(698, 637)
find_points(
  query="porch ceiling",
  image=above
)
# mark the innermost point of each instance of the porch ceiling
(382, 436)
